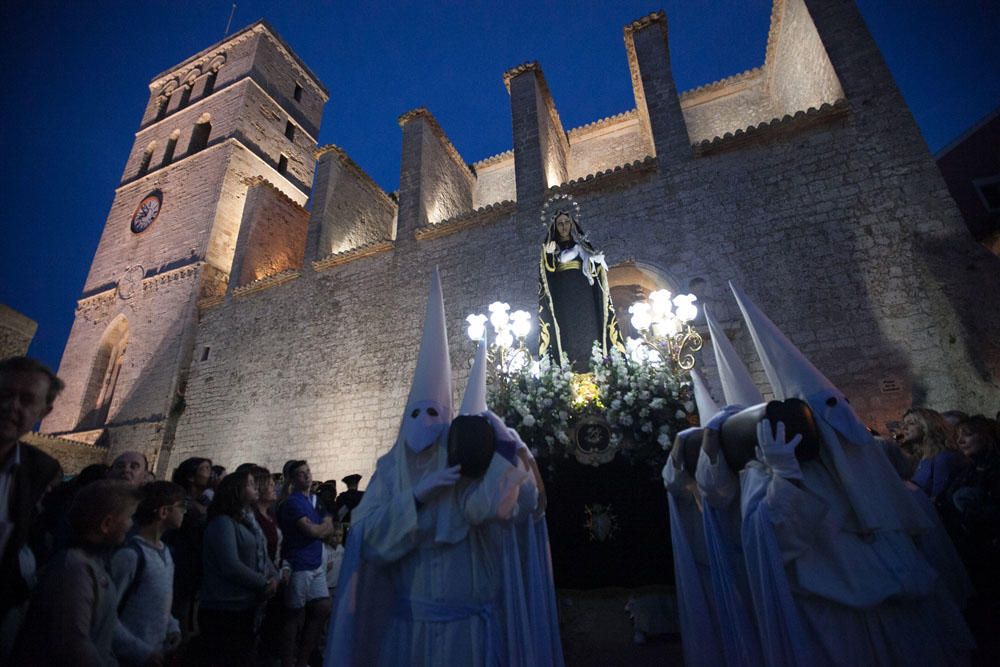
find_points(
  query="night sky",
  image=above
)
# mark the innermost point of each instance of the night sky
(76, 76)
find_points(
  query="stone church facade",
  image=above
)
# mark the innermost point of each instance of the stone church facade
(223, 318)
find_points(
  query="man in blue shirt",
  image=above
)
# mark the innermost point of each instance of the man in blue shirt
(307, 599)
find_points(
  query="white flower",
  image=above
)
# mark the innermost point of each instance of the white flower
(644, 395)
(644, 413)
(563, 415)
(664, 440)
(546, 402)
(657, 403)
(549, 440)
(629, 398)
(562, 437)
(616, 404)
(664, 429)
(528, 420)
(647, 427)
(521, 410)
(680, 414)
(627, 420)
(689, 406)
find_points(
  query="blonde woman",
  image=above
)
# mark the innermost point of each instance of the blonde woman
(931, 439)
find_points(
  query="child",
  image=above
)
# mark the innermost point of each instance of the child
(72, 614)
(143, 572)
(333, 556)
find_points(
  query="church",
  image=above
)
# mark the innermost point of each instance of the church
(256, 297)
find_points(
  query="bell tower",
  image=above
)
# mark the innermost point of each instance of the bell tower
(245, 108)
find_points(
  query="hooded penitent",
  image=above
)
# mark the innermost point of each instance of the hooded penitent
(702, 399)
(872, 486)
(737, 385)
(428, 407)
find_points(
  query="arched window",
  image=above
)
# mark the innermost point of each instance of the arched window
(161, 106)
(200, 134)
(210, 82)
(168, 153)
(104, 375)
(147, 157)
(631, 282)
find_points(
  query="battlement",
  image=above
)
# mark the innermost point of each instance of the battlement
(440, 193)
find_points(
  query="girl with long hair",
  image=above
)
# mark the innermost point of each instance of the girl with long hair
(931, 440)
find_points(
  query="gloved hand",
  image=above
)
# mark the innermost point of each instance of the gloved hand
(720, 417)
(776, 453)
(433, 483)
(677, 450)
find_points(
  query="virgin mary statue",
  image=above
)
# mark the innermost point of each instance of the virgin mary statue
(575, 307)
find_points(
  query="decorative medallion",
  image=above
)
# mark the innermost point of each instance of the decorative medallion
(131, 281)
(601, 523)
(593, 441)
(146, 211)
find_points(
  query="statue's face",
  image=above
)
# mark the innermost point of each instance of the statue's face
(563, 226)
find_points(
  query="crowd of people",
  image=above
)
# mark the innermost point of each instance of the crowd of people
(855, 551)
(116, 567)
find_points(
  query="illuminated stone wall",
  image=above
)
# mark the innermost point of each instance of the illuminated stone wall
(143, 289)
(805, 181)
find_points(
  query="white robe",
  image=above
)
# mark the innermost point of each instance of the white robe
(827, 593)
(423, 587)
(720, 490)
(696, 610)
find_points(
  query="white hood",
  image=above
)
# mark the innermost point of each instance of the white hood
(738, 387)
(428, 407)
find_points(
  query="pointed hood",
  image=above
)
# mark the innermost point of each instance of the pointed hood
(428, 407)
(707, 407)
(879, 500)
(738, 387)
(474, 400)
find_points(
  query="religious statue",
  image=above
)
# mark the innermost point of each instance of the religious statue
(575, 307)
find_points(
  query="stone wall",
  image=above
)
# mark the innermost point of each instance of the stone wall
(836, 223)
(16, 332)
(273, 235)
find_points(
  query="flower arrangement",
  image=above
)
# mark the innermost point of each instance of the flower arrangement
(644, 401)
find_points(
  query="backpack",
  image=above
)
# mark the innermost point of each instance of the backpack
(136, 577)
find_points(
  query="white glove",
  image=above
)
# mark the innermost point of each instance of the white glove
(720, 417)
(433, 483)
(778, 454)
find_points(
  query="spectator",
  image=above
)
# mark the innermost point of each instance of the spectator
(933, 442)
(130, 467)
(27, 391)
(72, 615)
(55, 513)
(307, 600)
(273, 622)
(349, 499)
(218, 472)
(143, 572)
(970, 507)
(238, 574)
(186, 542)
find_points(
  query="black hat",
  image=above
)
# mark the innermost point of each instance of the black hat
(351, 479)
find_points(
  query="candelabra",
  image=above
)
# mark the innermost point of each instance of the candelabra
(507, 354)
(664, 326)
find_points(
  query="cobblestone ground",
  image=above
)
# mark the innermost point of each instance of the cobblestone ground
(597, 632)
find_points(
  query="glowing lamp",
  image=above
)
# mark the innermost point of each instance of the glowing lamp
(477, 326)
(520, 323)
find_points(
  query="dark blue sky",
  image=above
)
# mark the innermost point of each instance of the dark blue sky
(77, 74)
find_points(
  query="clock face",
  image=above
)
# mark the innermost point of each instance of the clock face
(146, 211)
